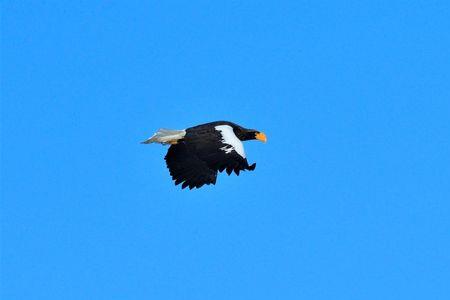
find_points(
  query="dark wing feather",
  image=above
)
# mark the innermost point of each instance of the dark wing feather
(185, 167)
(196, 159)
(207, 144)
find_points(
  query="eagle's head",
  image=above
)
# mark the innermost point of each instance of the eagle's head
(245, 134)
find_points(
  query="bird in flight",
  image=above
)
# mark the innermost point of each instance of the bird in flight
(198, 153)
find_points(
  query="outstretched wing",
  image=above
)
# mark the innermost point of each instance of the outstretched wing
(208, 145)
(185, 167)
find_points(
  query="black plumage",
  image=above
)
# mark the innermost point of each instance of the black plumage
(204, 150)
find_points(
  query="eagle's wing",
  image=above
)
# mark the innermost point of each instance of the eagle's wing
(208, 146)
(185, 167)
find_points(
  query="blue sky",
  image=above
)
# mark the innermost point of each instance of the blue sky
(350, 197)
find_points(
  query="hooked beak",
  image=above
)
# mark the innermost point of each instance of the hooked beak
(260, 136)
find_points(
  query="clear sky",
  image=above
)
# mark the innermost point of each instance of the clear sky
(350, 198)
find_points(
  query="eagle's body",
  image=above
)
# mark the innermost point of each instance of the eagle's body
(198, 153)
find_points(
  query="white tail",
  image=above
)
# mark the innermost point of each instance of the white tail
(166, 136)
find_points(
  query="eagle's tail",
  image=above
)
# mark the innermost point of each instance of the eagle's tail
(166, 136)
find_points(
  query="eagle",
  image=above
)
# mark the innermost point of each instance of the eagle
(198, 153)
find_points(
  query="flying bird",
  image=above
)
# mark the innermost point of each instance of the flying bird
(198, 153)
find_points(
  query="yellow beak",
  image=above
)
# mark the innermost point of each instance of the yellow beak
(261, 137)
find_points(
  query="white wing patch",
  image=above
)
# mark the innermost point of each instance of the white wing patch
(229, 138)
